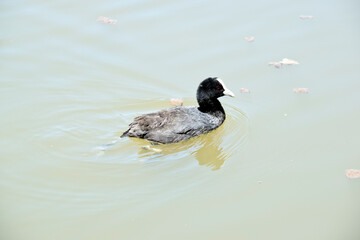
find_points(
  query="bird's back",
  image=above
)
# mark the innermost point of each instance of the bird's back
(172, 125)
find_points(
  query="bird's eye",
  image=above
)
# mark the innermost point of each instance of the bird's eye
(218, 87)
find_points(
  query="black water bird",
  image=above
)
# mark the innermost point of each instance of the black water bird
(181, 123)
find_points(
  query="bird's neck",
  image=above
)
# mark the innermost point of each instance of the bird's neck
(211, 106)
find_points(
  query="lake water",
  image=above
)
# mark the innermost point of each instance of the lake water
(275, 169)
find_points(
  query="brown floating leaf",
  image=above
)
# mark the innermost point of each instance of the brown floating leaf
(176, 102)
(249, 39)
(244, 90)
(106, 20)
(352, 173)
(301, 90)
(305, 17)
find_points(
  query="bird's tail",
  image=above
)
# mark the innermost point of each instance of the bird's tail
(125, 134)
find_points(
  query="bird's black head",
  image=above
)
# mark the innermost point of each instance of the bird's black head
(213, 87)
(208, 91)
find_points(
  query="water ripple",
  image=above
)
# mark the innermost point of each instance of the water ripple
(211, 149)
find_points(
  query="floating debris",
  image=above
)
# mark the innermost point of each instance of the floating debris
(285, 61)
(148, 147)
(244, 90)
(176, 102)
(301, 90)
(275, 64)
(352, 173)
(304, 17)
(249, 39)
(106, 20)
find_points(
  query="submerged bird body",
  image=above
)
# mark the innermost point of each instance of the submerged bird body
(181, 123)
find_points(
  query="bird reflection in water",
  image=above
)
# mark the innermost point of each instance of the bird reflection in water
(211, 154)
(206, 148)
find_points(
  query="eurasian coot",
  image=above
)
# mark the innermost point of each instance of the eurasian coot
(180, 123)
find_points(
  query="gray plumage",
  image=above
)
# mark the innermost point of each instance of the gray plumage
(181, 123)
